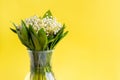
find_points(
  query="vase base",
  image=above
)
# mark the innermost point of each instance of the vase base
(49, 76)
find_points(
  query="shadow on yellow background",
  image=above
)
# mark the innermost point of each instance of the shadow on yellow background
(91, 50)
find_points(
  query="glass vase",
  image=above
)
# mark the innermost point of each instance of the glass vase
(40, 67)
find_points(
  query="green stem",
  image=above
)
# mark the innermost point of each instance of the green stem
(40, 66)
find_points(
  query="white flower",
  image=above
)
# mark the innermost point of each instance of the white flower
(50, 25)
(34, 21)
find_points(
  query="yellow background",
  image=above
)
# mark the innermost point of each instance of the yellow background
(91, 50)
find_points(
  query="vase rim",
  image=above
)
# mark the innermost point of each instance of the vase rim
(41, 51)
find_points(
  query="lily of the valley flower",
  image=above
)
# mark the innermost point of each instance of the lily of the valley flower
(50, 25)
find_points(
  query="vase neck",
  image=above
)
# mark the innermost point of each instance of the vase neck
(39, 59)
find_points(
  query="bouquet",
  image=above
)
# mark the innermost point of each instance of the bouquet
(40, 33)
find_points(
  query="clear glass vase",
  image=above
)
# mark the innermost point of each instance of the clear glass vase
(40, 67)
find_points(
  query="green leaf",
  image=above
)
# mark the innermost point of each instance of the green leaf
(48, 14)
(15, 26)
(24, 42)
(57, 37)
(20, 36)
(34, 38)
(24, 30)
(23, 35)
(13, 30)
(30, 42)
(65, 34)
(60, 38)
(42, 38)
(50, 38)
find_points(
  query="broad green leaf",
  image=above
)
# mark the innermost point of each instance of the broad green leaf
(34, 37)
(30, 42)
(31, 29)
(36, 42)
(20, 36)
(24, 42)
(42, 38)
(48, 14)
(24, 30)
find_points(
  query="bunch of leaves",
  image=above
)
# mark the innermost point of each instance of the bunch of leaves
(38, 41)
